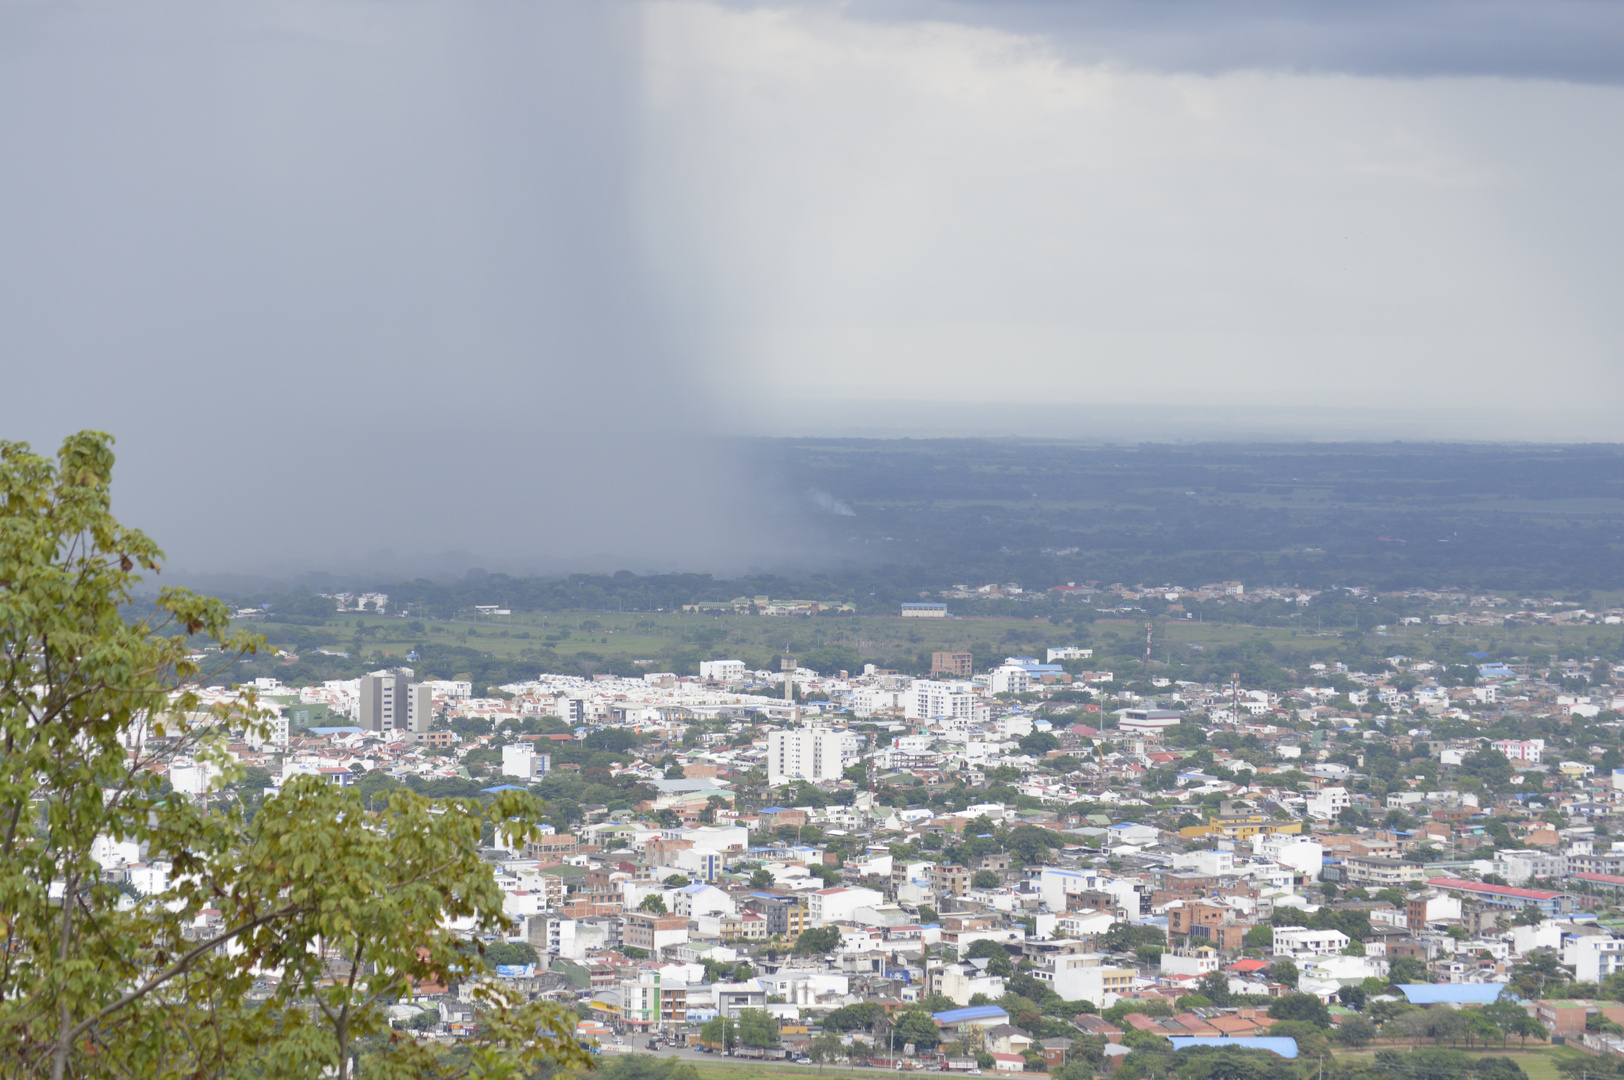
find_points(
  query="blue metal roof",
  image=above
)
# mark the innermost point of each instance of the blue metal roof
(974, 1012)
(1452, 993)
(504, 787)
(1275, 1044)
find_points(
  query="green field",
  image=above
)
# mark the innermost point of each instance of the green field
(641, 635)
(1539, 1064)
(492, 650)
(737, 1070)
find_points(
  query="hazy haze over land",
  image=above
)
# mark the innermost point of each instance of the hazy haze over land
(352, 279)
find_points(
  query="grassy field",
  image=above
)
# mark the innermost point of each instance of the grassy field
(737, 1070)
(759, 640)
(1539, 1063)
(644, 635)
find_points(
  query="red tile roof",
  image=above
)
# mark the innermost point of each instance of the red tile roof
(1493, 890)
(1247, 967)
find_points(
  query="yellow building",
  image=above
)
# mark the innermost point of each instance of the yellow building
(1242, 826)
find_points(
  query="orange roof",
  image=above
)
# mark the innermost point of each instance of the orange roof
(1142, 1022)
(1192, 1023)
(1233, 1025)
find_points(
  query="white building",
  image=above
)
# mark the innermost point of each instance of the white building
(1070, 652)
(827, 906)
(1326, 803)
(928, 699)
(924, 611)
(874, 700)
(1343, 970)
(1440, 907)
(1531, 751)
(1082, 924)
(275, 732)
(1293, 852)
(522, 761)
(1054, 884)
(809, 753)
(1212, 863)
(1298, 942)
(555, 934)
(700, 899)
(150, 879)
(722, 670)
(1084, 977)
(520, 904)
(391, 701)
(1148, 723)
(1010, 679)
(1198, 961)
(1594, 958)
(1518, 867)
(963, 981)
(192, 777)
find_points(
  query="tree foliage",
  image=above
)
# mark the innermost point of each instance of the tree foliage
(758, 1028)
(350, 908)
(917, 1026)
(1305, 1007)
(818, 940)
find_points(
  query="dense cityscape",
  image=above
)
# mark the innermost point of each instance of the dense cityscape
(1040, 866)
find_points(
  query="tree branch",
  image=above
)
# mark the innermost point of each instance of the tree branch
(179, 967)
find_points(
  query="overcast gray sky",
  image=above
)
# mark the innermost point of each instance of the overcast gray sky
(356, 282)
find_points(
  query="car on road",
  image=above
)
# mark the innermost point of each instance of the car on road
(803, 1061)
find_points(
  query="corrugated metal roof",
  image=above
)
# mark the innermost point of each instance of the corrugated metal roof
(1452, 993)
(974, 1012)
(1275, 1044)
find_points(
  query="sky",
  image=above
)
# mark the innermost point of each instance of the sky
(419, 284)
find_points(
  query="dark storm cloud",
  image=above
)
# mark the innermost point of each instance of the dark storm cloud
(1566, 40)
(347, 278)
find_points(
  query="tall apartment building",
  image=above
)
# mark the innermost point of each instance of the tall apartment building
(391, 701)
(959, 664)
(810, 753)
(929, 700)
(1010, 679)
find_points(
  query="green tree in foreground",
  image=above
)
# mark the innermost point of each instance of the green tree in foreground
(350, 908)
(824, 1048)
(1304, 1007)
(916, 1026)
(758, 1028)
(719, 1032)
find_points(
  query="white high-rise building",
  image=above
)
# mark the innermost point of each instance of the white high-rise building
(276, 732)
(930, 700)
(390, 701)
(810, 753)
(1011, 679)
